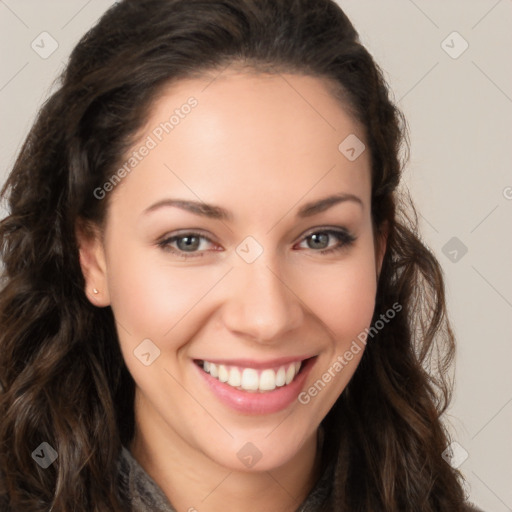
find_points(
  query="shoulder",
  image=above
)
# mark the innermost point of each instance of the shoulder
(137, 490)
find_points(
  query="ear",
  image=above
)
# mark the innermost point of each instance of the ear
(381, 239)
(93, 263)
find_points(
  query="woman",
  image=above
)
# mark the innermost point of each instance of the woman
(212, 299)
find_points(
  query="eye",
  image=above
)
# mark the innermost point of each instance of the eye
(186, 245)
(319, 240)
(192, 244)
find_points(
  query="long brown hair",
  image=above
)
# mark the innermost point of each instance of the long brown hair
(63, 379)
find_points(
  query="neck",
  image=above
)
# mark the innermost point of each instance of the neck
(192, 481)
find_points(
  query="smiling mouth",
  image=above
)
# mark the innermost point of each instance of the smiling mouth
(252, 379)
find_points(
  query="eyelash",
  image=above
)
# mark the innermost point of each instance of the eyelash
(345, 240)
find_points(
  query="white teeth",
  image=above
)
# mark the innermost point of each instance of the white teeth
(250, 379)
(235, 377)
(214, 371)
(281, 377)
(223, 373)
(267, 380)
(290, 373)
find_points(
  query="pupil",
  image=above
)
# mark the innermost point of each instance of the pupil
(190, 244)
(320, 238)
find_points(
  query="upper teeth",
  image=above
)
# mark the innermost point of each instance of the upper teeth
(250, 379)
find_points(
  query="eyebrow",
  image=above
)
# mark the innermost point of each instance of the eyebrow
(219, 213)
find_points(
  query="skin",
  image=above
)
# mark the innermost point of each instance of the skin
(260, 146)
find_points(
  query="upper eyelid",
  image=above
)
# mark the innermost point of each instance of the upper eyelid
(326, 229)
(183, 233)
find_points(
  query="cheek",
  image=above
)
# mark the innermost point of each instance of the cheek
(155, 301)
(149, 297)
(342, 295)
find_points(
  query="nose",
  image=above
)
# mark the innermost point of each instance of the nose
(262, 305)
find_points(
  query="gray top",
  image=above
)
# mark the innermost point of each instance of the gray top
(142, 492)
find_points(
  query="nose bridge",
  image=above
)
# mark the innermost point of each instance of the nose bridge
(262, 305)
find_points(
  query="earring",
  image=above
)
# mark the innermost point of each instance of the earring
(95, 291)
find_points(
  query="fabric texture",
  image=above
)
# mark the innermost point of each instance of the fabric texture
(140, 493)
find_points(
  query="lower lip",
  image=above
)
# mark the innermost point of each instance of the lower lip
(258, 403)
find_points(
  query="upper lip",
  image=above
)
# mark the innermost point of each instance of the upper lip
(253, 363)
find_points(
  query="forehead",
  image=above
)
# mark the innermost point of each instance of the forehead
(274, 138)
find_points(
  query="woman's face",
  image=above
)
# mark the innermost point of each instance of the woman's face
(219, 301)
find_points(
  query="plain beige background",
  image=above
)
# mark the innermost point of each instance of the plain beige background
(458, 102)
